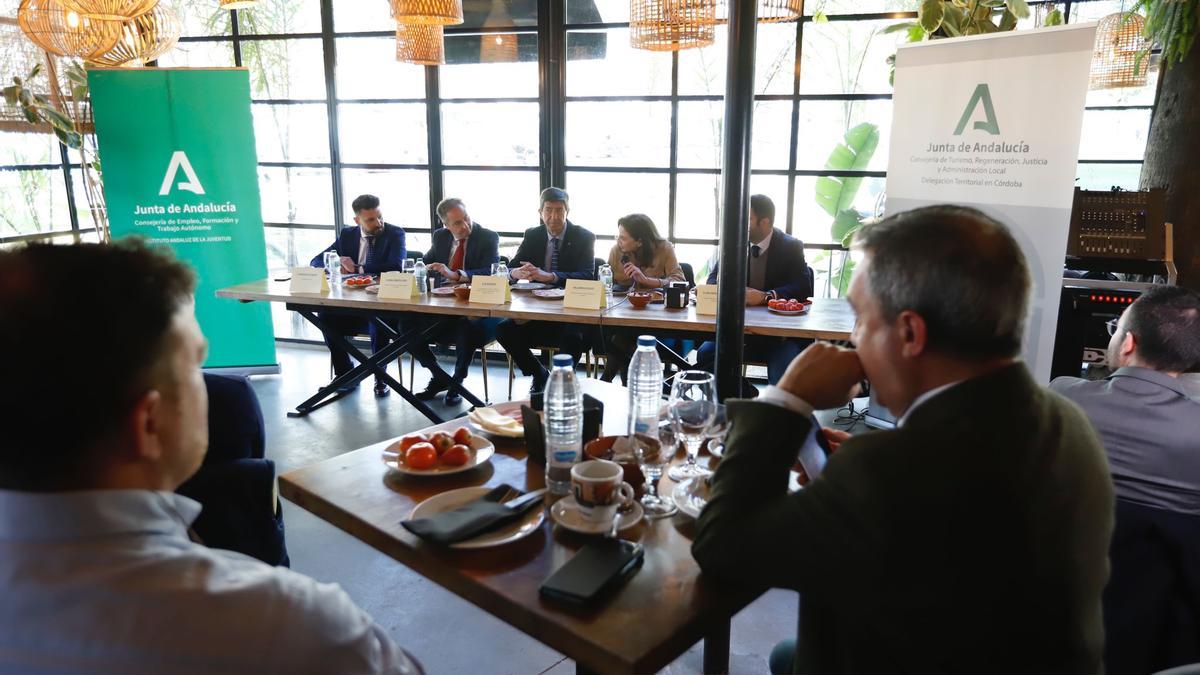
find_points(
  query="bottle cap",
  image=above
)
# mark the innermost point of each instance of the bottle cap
(646, 341)
(563, 361)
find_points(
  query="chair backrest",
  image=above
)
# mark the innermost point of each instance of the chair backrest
(414, 255)
(688, 273)
(812, 280)
(1152, 601)
(235, 419)
(504, 259)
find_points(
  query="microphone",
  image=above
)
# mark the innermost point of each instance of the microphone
(624, 258)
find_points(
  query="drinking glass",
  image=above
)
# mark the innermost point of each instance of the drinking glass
(717, 431)
(605, 275)
(499, 269)
(332, 261)
(692, 407)
(653, 454)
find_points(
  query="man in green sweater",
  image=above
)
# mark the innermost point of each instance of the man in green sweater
(974, 537)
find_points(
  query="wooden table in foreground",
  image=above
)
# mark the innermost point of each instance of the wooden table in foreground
(657, 615)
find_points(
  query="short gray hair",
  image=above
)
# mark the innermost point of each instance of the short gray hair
(958, 268)
(448, 203)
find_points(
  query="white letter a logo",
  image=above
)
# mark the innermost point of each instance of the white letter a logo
(179, 161)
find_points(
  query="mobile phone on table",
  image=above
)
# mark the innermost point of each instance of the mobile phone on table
(596, 569)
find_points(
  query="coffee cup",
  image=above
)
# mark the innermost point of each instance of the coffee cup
(599, 489)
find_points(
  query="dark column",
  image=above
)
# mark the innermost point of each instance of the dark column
(735, 198)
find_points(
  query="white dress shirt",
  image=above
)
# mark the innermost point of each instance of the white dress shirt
(107, 581)
(785, 399)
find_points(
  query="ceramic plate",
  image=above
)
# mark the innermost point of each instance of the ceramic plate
(550, 293)
(346, 283)
(785, 312)
(453, 499)
(531, 286)
(482, 451)
(691, 495)
(565, 512)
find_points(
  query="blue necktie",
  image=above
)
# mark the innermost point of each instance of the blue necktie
(370, 250)
(554, 255)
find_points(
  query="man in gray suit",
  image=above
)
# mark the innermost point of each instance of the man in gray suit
(1148, 411)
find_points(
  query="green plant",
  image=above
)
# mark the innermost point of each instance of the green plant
(954, 18)
(38, 109)
(836, 195)
(1171, 24)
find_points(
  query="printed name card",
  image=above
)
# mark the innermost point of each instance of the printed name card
(583, 294)
(489, 290)
(397, 286)
(309, 280)
(706, 299)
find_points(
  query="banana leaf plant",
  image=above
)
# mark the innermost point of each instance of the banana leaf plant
(836, 195)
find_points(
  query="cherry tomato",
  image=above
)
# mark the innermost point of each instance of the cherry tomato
(793, 306)
(420, 456)
(410, 440)
(457, 455)
(772, 304)
(441, 441)
(463, 436)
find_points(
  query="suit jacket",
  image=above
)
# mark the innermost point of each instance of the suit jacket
(576, 254)
(483, 249)
(787, 272)
(1150, 426)
(973, 539)
(389, 254)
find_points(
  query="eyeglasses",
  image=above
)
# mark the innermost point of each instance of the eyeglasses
(1111, 325)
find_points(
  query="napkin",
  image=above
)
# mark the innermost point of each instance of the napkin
(491, 421)
(469, 520)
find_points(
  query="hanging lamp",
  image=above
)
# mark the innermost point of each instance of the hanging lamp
(421, 45)
(769, 11)
(1121, 57)
(109, 10)
(498, 47)
(66, 33)
(238, 4)
(671, 25)
(428, 12)
(144, 39)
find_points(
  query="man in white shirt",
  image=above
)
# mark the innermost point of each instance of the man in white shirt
(98, 572)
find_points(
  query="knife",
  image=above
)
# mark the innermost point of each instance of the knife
(525, 501)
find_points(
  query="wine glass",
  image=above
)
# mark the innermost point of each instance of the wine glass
(691, 408)
(653, 455)
(717, 431)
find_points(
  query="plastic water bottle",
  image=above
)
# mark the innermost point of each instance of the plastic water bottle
(564, 424)
(645, 387)
(333, 265)
(420, 275)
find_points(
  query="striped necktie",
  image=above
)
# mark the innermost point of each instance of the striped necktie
(370, 239)
(554, 255)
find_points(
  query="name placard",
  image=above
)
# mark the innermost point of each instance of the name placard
(489, 290)
(397, 286)
(309, 280)
(706, 299)
(584, 294)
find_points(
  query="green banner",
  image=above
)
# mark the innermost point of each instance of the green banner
(180, 169)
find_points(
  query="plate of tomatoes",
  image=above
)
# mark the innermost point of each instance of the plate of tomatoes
(438, 453)
(789, 307)
(357, 282)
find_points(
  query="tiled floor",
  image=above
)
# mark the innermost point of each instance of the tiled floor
(430, 622)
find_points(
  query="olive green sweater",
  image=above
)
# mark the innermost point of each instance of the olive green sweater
(972, 540)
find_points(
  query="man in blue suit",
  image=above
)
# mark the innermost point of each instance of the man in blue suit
(461, 249)
(371, 246)
(776, 270)
(550, 253)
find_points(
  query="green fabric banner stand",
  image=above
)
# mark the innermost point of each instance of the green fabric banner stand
(180, 169)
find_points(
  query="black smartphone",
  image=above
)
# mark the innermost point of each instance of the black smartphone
(596, 569)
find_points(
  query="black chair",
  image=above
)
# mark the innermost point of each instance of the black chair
(1152, 601)
(236, 484)
(688, 273)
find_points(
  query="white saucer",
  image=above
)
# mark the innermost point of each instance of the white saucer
(565, 512)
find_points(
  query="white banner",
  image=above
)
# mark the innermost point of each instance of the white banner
(993, 122)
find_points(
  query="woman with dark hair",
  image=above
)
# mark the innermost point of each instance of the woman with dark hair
(641, 256)
(641, 259)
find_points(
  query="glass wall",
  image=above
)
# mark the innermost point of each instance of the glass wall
(336, 116)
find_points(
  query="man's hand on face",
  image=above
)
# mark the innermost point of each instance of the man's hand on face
(755, 297)
(824, 376)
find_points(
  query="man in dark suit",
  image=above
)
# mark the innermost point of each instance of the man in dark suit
(776, 270)
(973, 538)
(370, 246)
(461, 249)
(1147, 412)
(550, 253)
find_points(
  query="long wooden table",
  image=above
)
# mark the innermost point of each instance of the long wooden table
(659, 613)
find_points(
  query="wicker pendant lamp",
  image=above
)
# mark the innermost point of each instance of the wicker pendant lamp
(66, 33)
(498, 47)
(238, 4)
(421, 45)
(671, 25)
(109, 10)
(428, 12)
(769, 11)
(144, 39)
(1115, 62)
